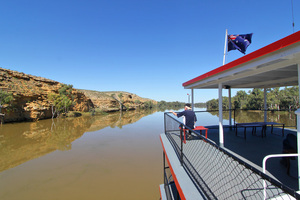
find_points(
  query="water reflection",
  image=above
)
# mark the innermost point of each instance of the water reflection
(21, 142)
(241, 116)
(285, 117)
(118, 119)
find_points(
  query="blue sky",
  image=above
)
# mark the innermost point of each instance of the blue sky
(146, 47)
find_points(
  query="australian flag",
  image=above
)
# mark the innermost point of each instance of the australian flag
(239, 42)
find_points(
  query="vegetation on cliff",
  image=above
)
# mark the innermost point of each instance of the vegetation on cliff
(5, 98)
(29, 97)
(61, 102)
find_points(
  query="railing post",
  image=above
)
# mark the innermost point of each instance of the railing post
(181, 144)
(165, 123)
(164, 175)
(234, 116)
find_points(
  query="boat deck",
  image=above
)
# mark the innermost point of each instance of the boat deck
(254, 148)
(233, 169)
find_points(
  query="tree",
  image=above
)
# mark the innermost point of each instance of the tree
(240, 99)
(225, 103)
(62, 101)
(5, 98)
(137, 102)
(256, 99)
(212, 104)
(290, 98)
(162, 104)
(66, 90)
(286, 98)
(148, 104)
(274, 97)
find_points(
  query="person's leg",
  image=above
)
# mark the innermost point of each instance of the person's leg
(189, 135)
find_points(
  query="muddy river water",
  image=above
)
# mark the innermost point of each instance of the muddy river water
(115, 156)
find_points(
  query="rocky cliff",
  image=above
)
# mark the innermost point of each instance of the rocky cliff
(30, 96)
(117, 100)
(31, 102)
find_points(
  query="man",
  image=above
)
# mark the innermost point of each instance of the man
(189, 117)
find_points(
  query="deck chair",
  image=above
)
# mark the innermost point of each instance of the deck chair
(289, 146)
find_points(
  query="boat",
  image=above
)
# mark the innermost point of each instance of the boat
(212, 168)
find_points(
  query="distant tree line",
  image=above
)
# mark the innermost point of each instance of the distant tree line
(175, 104)
(148, 105)
(163, 105)
(286, 98)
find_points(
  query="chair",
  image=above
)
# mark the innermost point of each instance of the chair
(289, 146)
(201, 128)
(197, 128)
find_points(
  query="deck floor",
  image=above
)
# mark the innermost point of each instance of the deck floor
(254, 148)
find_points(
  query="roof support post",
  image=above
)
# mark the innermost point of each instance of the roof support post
(221, 132)
(229, 99)
(265, 104)
(192, 92)
(297, 112)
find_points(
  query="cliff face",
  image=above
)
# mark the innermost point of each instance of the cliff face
(30, 95)
(31, 100)
(117, 100)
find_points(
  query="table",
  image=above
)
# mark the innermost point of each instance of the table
(274, 124)
(252, 125)
(263, 126)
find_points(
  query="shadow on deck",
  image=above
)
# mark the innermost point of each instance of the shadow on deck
(255, 148)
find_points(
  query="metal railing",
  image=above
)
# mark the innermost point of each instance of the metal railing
(218, 173)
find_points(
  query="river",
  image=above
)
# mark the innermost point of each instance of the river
(114, 156)
(117, 156)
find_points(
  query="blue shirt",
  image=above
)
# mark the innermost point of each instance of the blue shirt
(190, 118)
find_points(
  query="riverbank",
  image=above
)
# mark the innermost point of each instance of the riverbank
(31, 102)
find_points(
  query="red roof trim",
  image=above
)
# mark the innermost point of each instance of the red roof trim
(282, 43)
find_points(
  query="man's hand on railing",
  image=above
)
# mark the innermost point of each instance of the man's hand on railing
(174, 113)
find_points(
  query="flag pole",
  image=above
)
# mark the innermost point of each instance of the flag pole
(225, 46)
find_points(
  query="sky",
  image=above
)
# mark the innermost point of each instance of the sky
(145, 47)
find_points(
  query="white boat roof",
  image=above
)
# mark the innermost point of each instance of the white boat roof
(275, 65)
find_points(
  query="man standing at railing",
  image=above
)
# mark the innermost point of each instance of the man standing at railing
(189, 118)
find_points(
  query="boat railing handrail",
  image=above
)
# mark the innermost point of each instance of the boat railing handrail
(264, 162)
(212, 162)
